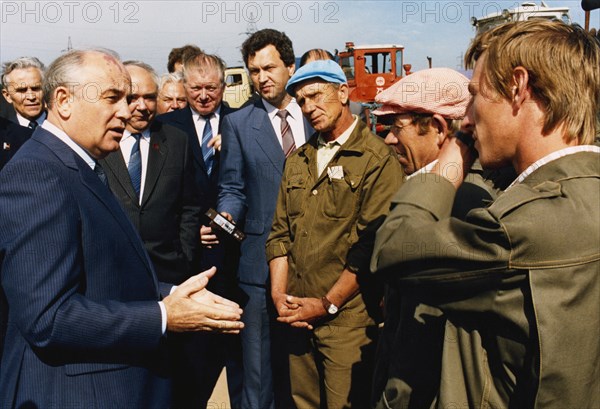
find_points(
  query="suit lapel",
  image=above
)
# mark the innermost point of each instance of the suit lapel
(266, 138)
(157, 154)
(188, 122)
(91, 182)
(116, 164)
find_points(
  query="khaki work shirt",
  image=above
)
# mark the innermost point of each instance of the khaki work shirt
(325, 223)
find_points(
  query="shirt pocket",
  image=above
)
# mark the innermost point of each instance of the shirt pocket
(295, 190)
(342, 196)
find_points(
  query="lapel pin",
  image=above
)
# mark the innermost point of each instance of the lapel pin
(155, 146)
(6, 146)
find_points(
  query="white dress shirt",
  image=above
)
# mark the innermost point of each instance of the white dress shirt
(295, 120)
(126, 145)
(200, 122)
(25, 122)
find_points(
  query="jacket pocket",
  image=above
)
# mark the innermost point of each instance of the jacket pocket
(87, 368)
(342, 196)
(295, 197)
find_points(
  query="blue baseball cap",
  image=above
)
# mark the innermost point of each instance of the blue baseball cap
(327, 70)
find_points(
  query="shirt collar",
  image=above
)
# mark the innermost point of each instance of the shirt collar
(196, 115)
(551, 157)
(145, 134)
(25, 122)
(60, 134)
(343, 138)
(292, 107)
(425, 169)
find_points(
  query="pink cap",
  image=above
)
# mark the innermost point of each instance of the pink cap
(441, 91)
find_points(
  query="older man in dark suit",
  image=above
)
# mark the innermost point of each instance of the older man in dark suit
(153, 178)
(12, 136)
(87, 316)
(22, 88)
(203, 76)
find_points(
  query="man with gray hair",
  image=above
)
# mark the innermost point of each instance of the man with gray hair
(87, 315)
(153, 177)
(203, 78)
(22, 88)
(171, 93)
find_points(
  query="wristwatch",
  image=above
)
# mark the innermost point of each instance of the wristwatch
(329, 307)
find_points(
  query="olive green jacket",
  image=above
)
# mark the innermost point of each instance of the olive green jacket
(519, 282)
(409, 353)
(324, 224)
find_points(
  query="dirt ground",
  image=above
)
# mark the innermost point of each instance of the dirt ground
(220, 397)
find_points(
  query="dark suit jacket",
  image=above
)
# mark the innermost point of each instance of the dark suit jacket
(12, 136)
(182, 119)
(224, 256)
(84, 324)
(7, 111)
(168, 218)
(251, 168)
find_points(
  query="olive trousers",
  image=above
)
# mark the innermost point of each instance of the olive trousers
(331, 367)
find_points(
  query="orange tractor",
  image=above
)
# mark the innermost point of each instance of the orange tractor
(370, 69)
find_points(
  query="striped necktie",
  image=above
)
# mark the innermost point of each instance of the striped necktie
(287, 138)
(135, 165)
(33, 125)
(208, 153)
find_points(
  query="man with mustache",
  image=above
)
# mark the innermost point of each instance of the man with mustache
(423, 110)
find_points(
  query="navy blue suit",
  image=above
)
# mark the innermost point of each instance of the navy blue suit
(12, 136)
(251, 170)
(84, 326)
(206, 354)
(207, 184)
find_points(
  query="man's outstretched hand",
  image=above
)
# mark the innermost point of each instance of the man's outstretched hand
(191, 307)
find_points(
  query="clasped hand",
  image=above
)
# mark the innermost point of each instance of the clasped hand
(299, 312)
(191, 307)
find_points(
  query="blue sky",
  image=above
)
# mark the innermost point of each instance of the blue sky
(147, 30)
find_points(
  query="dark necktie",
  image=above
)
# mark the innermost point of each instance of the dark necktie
(135, 165)
(287, 138)
(33, 125)
(98, 170)
(208, 153)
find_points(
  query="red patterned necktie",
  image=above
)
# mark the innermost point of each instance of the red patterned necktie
(287, 137)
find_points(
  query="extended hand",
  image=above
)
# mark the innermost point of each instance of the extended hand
(191, 307)
(303, 312)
